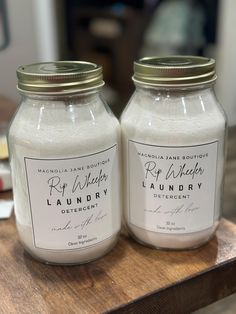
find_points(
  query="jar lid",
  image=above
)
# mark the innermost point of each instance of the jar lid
(174, 71)
(60, 77)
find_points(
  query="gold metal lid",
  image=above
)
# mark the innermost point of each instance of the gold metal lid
(174, 71)
(61, 77)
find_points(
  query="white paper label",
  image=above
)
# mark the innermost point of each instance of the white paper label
(172, 189)
(72, 199)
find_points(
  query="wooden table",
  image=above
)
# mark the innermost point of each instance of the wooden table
(130, 279)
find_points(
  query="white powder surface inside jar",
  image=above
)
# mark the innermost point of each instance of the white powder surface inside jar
(54, 129)
(174, 119)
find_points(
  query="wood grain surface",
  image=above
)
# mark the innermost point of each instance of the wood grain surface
(130, 279)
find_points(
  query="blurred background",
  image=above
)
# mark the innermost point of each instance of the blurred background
(113, 34)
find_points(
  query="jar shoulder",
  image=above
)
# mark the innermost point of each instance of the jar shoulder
(174, 120)
(65, 125)
(156, 110)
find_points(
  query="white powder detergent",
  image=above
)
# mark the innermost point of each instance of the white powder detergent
(66, 178)
(173, 146)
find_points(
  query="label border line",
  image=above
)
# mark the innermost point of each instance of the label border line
(48, 159)
(162, 146)
(30, 202)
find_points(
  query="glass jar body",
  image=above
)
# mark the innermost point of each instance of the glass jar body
(174, 150)
(65, 170)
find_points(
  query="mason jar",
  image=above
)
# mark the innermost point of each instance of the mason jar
(173, 133)
(64, 157)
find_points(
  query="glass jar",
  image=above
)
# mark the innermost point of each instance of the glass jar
(173, 132)
(65, 163)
